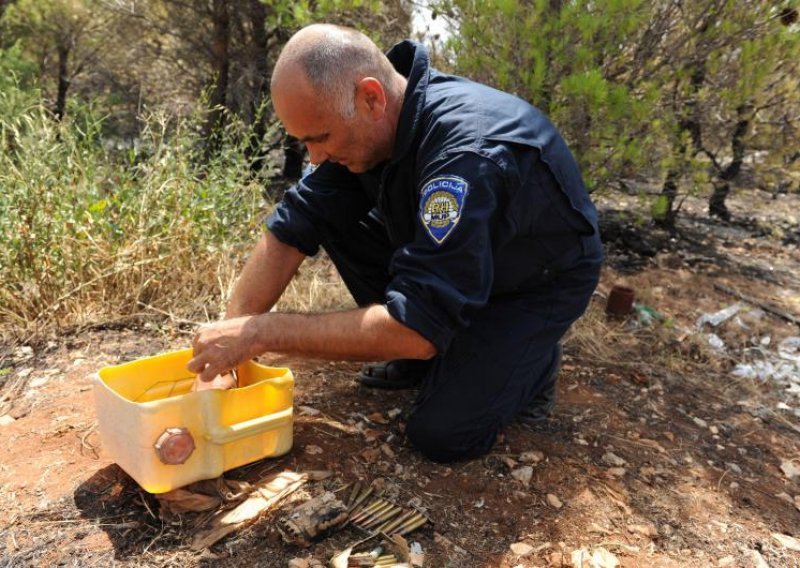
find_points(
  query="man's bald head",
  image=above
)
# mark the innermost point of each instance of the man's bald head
(331, 60)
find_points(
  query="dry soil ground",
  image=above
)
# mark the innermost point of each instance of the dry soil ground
(656, 455)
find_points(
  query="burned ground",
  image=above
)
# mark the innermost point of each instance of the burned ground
(656, 456)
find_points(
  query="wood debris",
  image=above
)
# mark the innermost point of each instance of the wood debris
(787, 541)
(312, 519)
(265, 496)
(203, 496)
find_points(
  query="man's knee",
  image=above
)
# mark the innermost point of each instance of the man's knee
(441, 441)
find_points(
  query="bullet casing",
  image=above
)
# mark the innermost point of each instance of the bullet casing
(369, 517)
(382, 517)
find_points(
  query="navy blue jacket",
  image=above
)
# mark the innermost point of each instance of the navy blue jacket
(482, 198)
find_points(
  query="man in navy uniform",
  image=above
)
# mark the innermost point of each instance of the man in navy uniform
(457, 218)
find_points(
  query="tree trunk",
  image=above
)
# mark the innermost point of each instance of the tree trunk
(257, 12)
(666, 213)
(63, 82)
(688, 123)
(220, 64)
(722, 186)
(3, 5)
(716, 203)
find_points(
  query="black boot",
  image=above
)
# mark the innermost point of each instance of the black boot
(394, 375)
(540, 408)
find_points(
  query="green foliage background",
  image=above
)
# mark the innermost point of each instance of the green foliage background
(90, 231)
(615, 76)
(137, 202)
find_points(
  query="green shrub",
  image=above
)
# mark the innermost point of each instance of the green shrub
(92, 233)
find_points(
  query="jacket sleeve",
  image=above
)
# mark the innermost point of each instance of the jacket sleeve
(446, 272)
(321, 205)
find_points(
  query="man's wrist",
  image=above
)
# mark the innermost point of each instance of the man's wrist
(257, 334)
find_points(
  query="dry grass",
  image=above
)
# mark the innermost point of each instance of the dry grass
(91, 236)
(316, 287)
(656, 348)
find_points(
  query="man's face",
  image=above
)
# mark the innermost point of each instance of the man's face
(353, 142)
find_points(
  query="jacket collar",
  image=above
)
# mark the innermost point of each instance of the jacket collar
(411, 60)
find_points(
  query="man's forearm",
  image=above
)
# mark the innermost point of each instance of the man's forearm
(267, 272)
(364, 334)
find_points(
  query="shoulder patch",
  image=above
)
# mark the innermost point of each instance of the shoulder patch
(441, 200)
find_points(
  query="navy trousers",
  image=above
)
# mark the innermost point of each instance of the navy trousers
(495, 366)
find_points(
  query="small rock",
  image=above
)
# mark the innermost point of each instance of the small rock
(617, 471)
(758, 560)
(700, 422)
(648, 530)
(713, 429)
(24, 351)
(580, 442)
(37, 382)
(298, 563)
(602, 558)
(312, 450)
(371, 455)
(787, 541)
(727, 561)
(790, 470)
(387, 450)
(669, 436)
(377, 418)
(734, 486)
(521, 548)
(613, 459)
(306, 411)
(578, 558)
(554, 501)
(394, 413)
(523, 474)
(785, 497)
(510, 463)
(531, 457)
(730, 466)
(5, 420)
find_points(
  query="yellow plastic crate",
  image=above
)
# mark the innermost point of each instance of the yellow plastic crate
(145, 407)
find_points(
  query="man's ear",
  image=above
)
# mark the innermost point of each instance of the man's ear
(371, 97)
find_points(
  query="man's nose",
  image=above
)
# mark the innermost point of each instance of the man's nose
(316, 154)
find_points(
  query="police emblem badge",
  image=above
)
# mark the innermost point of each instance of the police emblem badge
(441, 201)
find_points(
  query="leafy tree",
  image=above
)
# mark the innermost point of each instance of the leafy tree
(678, 91)
(222, 52)
(570, 59)
(64, 37)
(729, 64)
